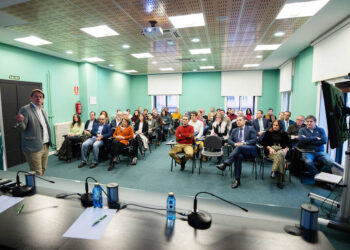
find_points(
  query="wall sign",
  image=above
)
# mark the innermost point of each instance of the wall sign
(11, 77)
(76, 90)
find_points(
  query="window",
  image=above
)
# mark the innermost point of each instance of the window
(240, 103)
(285, 101)
(170, 101)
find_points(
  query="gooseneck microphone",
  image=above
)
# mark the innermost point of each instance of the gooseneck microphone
(28, 189)
(202, 220)
(86, 199)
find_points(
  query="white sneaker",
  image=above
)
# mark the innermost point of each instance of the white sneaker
(134, 161)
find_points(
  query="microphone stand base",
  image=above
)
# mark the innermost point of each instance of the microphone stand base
(21, 191)
(199, 220)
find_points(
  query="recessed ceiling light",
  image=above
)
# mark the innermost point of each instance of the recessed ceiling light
(204, 59)
(259, 56)
(69, 52)
(279, 34)
(207, 67)
(200, 51)
(267, 47)
(185, 21)
(251, 65)
(111, 65)
(195, 40)
(142, 55)
(93, 59)
(125, 46)
(301, 9)
(194, 70)
(100, 31)
(32, 40)
(154, 62)
(166, 69)
(130, 71)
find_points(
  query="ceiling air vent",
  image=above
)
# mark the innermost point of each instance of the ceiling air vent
(171, 34)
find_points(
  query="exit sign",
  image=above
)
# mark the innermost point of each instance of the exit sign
(11, 77)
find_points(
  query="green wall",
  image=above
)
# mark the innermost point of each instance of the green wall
(201, 90)
(113, 91)
(139, 93)
(271, 97)
(304, 92)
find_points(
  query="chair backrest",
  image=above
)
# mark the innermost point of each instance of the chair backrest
(213, 142)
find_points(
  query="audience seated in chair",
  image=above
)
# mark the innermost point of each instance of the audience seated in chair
(270, 116)
(243, 139)
(108, 120)
(184, 136)
(135, 117)
(121, 139)
(100, 134)
(166, 120)
(89, 124)
(314, 138)
(74, 136)
(176, 116)
(286, 122)
(117, 120)
(260, 124)
(141, 133)
(159, 123)
(249, 114)
(276, 143)
(220, 129)
(198, 131)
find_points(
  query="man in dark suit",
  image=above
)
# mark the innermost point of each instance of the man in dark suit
(261, 124)
(89, 124)
(242, 139)
(33, 124)
(286, 122)
(100, 133)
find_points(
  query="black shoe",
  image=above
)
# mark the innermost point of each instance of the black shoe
(82, 164)
(183, 164)
(280, 185)
(235, 184)
(221, 166)
(93, 165)
(68, 160)
(134, 161)
(111, 166)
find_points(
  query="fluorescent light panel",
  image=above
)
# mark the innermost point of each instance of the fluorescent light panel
(93, 59)
(200, 51)
(32, 40)
(100, 31)
(207, 67)
(186, 21)
(126, 46)
(279, 34)
(142, 55)
(111, 65)
(166, 69)
(195, 40)
(130, 71)
(69, 52)
(259, 56)
(250, 65)
(268, 47)
(301, 9)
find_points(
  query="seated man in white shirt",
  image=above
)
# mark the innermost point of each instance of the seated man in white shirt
(198, 129)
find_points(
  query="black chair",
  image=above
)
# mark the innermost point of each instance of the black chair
(212, 148)
(262, 157)
(173, 162)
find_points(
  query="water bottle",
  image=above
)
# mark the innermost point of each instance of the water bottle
(171, 207)
(97, 195)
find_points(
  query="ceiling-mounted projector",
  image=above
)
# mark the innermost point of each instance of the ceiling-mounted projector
(152, 31)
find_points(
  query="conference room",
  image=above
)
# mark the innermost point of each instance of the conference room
(203, 58)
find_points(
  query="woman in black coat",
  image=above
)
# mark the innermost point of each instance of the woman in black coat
(276, 145)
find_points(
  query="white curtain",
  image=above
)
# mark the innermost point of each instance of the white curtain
(241, 83)
(165, 84)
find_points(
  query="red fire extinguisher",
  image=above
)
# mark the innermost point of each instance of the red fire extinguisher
(78, 107)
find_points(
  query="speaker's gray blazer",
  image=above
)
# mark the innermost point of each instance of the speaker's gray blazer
(31, 129)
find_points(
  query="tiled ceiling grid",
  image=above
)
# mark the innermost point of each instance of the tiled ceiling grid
(233, 29)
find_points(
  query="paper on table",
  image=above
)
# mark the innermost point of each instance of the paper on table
(82, 228)
(330, 178)
(7, 202)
